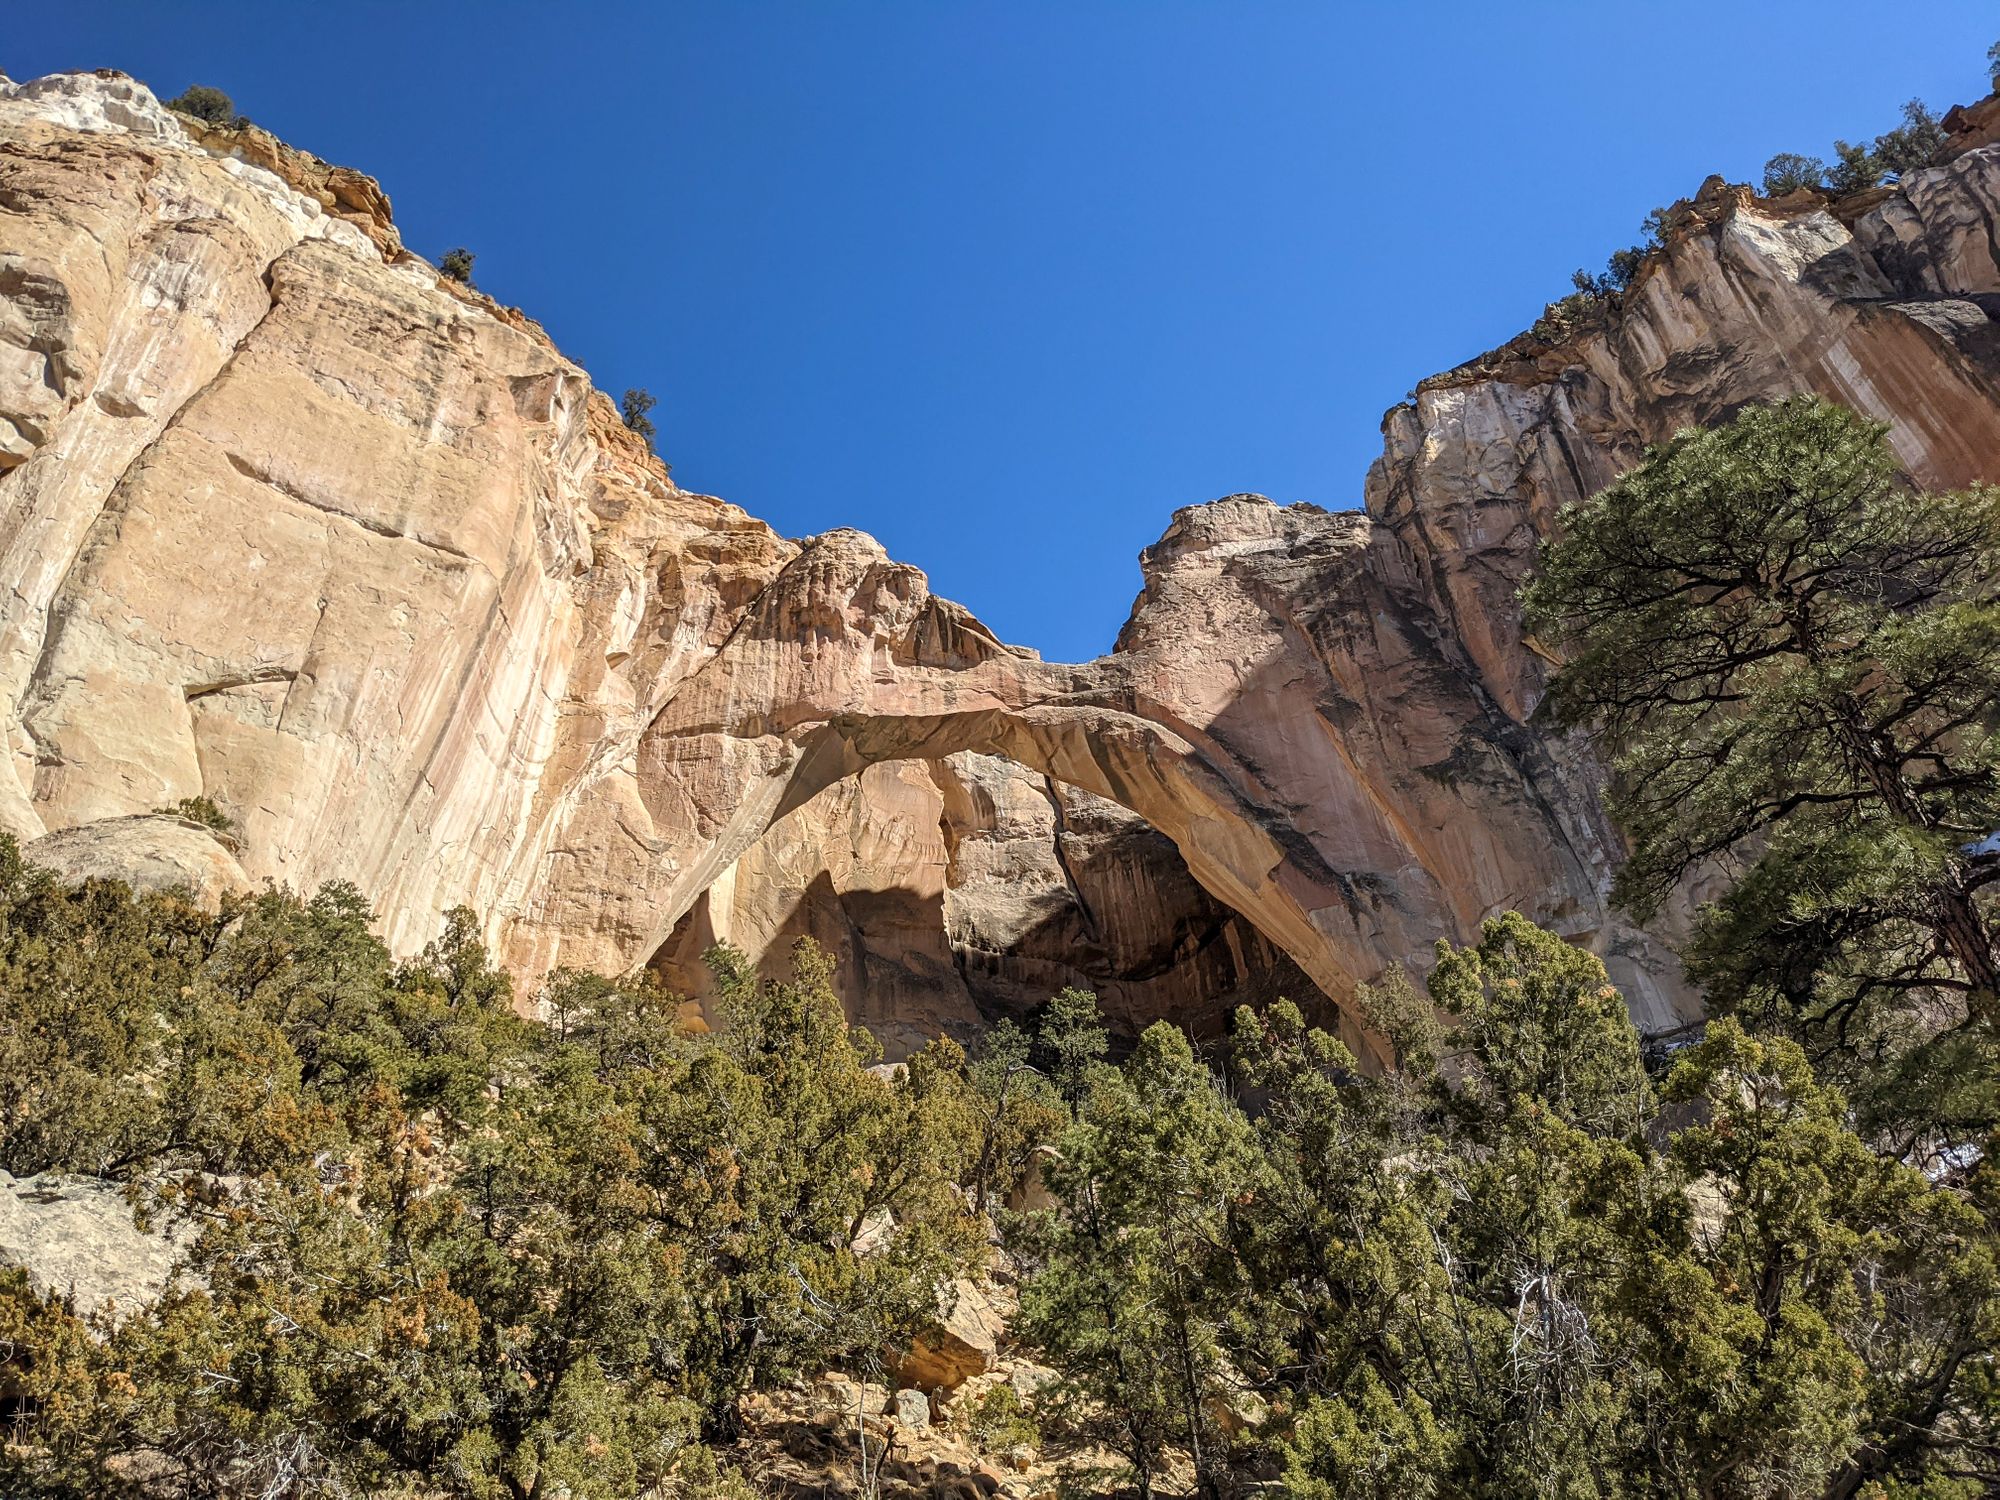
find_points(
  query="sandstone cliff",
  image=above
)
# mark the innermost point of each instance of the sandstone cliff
(289, 522)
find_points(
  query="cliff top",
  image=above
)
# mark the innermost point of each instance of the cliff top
(1540, 353)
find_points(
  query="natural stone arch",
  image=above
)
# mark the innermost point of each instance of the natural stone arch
(1240, 850)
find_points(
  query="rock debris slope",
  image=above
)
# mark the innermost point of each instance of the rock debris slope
(290, 522)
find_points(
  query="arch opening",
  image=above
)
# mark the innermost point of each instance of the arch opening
(1254, 902)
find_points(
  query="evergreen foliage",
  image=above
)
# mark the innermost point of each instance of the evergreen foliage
(1793, 657)
(1913, 143)
(210, 106)
(1016, 1109)
(1788, 171)
(1856, 167)
(1135, 1280)
(639, 401)
(1861, 165)
(445, 1248)
(1488, 1278)
(441, 1246)
(1001, 1420)
(1072, 1043)
(205, 811)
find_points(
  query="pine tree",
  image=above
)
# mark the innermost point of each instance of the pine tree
(639, 401)
(1788, 171)
(1912, 144)
(1133, 1282)
(449, 1248)
(1071, 1042)
(1792, 656)
(210, 106)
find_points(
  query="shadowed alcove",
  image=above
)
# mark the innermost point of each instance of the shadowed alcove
(955, 891)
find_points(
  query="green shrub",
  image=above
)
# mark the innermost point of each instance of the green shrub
(1788, 171)
(491, 1257)
(456, 264)
(210, 106)
(1912, 144)
(1503, 1275)
(1565, 316)
(1000, 1421)
(1619, 271)
(1854, 168)
(202, 810)
(1624, 264)
(638, 401)
(1905, 149)
(1364, 1444)
(1588, 285)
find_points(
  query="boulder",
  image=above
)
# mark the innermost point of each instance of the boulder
(878, 1228)
(149, 852)
(1028, 1379)
(1031, 1193)
(912, 1408)
(965, 1341)
(75, 1237)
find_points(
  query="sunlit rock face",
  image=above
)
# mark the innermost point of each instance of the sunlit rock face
(289, 522)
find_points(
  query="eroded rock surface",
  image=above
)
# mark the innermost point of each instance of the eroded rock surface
(289, 522)
(76, 1238)
(149, 852)
(964, 1342)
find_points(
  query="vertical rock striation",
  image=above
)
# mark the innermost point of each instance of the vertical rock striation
(290, 522)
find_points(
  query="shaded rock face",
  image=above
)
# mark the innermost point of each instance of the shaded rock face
(959, 890)
(289, 522)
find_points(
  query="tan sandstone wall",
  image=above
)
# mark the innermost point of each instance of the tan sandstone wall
(289, 522)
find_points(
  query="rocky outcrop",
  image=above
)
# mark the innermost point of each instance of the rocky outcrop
(340, 191)
(76, 1238)
(149, 852)
(289, 522)
(953, 890)
(1747, 301)
(964, 1342)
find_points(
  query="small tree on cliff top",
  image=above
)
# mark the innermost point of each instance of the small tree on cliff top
(1788, 171)
(1911, 144)
(637, 403)
(211, 106)
(1796, 659)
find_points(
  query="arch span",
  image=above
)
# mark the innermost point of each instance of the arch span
(1242, 852)
(1273, 708)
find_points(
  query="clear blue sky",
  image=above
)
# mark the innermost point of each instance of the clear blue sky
(1004, 284)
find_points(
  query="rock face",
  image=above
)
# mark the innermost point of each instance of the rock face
(149, 852)
(952, 890)
(289, 522)
(965, 1341)
(76, 1238)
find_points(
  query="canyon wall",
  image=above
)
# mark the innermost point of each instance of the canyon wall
(290, 522)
